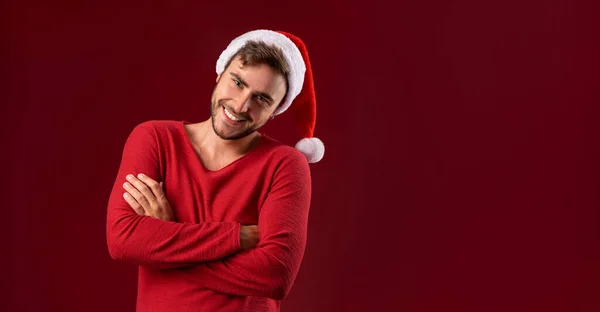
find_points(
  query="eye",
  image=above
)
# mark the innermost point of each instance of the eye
(237, 83)
(263, 100)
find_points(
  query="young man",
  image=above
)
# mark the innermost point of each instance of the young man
(215, 213)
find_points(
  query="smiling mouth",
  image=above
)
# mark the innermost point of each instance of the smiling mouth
(231, 116)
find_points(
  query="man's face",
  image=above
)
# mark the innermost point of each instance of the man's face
(244, 99)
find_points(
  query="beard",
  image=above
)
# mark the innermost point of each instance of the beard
(214, 107)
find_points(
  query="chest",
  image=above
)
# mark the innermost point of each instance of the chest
(214, 163)
(232, 194)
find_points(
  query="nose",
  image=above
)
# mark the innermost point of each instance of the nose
(242, 102)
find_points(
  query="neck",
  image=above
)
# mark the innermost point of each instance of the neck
(209, 141)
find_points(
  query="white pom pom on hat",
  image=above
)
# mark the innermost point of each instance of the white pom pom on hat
(301, 90)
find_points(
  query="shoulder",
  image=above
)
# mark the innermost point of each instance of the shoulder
(158, 125)
(286, 166)
(158, 129)
(283, 156)
(153, 133)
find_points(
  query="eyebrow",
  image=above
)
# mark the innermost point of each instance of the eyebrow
(245, 84)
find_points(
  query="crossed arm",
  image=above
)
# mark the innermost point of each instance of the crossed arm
(210, 251)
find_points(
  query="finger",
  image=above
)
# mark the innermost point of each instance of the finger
(154, 186)
(137, 195)
(133, 204)
(162, 190)
(142, 188)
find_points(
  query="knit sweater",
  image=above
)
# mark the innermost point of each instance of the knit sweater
(195, 263)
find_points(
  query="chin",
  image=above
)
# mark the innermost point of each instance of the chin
(221, 131)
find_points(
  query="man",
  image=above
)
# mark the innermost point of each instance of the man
(215, 213)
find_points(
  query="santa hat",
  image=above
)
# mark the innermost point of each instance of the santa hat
(301, 90)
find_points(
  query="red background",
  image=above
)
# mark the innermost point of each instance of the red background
(462, 165)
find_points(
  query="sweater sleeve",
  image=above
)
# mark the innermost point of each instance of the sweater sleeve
(270, 269)
(153, 242)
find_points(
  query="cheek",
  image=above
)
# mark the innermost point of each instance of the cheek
(226, 91)
(221, 87)
(262, 118)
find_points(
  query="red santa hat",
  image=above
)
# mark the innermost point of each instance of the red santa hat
(301, 90)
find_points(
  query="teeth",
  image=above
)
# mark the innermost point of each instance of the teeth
(231, 115)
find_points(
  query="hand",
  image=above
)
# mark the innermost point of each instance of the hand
(146, 197)
(248, 236)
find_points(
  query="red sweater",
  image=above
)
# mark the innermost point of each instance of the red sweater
(195, 263)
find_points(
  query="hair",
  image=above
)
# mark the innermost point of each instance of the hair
(258, 52)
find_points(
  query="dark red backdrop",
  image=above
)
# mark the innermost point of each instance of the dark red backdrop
(462, 166)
